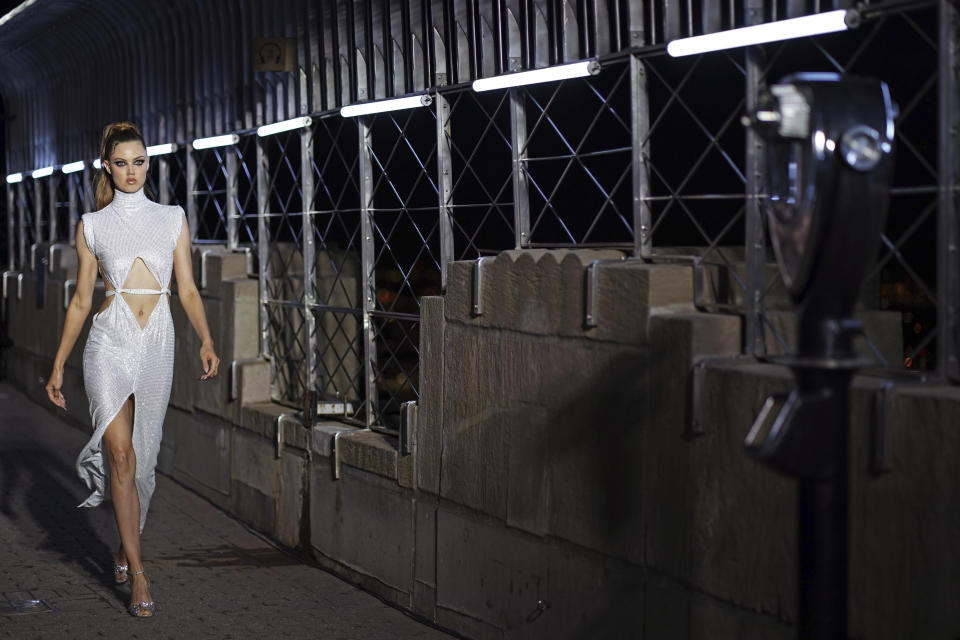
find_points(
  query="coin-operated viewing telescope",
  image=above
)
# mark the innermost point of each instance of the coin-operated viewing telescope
(829, 142)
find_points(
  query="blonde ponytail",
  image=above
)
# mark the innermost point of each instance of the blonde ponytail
(113, 134)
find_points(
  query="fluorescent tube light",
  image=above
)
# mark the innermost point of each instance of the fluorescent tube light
(535, 76)
(380, 106)
(161, 149)
(43, 173)
(14, 178)
(97, 164)
(216, 141)
(812, 25)
(13, 13)
(72, 167)
(286, 125)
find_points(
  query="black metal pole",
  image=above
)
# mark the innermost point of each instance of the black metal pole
(822, 519)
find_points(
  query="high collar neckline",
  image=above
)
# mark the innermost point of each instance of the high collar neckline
(128, 201)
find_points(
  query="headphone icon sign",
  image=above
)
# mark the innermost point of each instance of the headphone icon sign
(270, 53)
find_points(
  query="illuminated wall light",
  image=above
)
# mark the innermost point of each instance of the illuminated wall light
(286, 125)
(216, 141)
(380, 106)
(161, 149)
(14, 178)
(536, 76)
(73, 167)
(43, 173)
(97, 164)
(813, 25)
(13, 13)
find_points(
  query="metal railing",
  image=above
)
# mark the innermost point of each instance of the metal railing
(349, 223)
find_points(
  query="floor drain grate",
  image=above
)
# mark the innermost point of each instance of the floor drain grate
(23, 607)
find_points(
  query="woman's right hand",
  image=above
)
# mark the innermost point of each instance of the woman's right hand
(54, 382)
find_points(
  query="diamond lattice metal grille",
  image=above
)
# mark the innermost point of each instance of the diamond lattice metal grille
(578, 161)
(61, 207)
(210, 193)
(481, 196)
(336, 224)
(284, 286)
(245, 196)
(697, 156)
(398, 357)
(406, 244)
(27, 228)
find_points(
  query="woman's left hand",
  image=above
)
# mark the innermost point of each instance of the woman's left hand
(209, 361)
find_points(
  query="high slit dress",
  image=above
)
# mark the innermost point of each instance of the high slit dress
(120, 358)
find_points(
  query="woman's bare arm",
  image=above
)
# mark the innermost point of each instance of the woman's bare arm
(77, 313)
(192, 303)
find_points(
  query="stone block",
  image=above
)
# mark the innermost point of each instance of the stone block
(253, 382)
(666, 605)
(201, 455)
(289, 499)
(601, 600)
(325, 433)
(627, 292)
(429, 426)
(425, 558)
(253, 462)
(714, 619)
(488, 573)
(904, 563)
(364, 522)
(241, 320)
(370, 451)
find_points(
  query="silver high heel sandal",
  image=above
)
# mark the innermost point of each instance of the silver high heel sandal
(141, 609)
(120, 572)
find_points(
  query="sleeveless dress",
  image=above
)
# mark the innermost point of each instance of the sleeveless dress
(120, 359)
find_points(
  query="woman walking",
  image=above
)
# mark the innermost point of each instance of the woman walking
(135, 244)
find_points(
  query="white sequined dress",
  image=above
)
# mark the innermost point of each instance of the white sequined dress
(120, 359)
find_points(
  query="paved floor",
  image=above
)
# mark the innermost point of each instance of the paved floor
(211, 577)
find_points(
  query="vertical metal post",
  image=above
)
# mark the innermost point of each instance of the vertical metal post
(263, 249)
(754, 241)
(37, 215)
(369, 277)
(73, 211)
(22, 216)
(518, 145)
(309, 260)
(11, 228)
(948, 227)
(192, 192)
(52, 208)
(444, 186)
(231, 208)
(640, 132)
(89, 197)
(163, 178)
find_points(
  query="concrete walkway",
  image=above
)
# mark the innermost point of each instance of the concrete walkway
(211, 577)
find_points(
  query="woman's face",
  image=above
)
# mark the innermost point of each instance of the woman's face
(127, 165)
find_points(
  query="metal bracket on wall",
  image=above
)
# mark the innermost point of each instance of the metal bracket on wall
(698, 376)
(6, 276)
(50, 251)
(880, 426)
(477, 289)
(66, 291)
(590, 285)
(248, 252)
(336, 454)
(233, 374)
(278, 424)
(33, 256)
(408, 427)
(203, 267)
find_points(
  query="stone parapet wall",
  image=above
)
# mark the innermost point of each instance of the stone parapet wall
(568, 474)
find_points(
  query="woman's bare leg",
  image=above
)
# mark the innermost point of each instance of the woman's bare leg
(117, 440)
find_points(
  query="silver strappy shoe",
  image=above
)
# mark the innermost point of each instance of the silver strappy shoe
(120, 573)
(141, 609)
